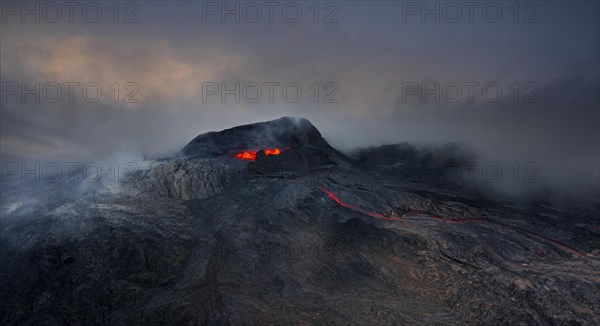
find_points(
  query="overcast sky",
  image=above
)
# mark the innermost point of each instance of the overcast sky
(369, 61)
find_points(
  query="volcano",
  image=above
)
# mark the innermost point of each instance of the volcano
(267, 223)
(286, 146)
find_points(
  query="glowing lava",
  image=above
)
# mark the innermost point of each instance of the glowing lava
(274, 151)
(246, 155)
(412, 215)
(250, 155)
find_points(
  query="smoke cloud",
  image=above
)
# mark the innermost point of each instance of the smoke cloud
(361, 80)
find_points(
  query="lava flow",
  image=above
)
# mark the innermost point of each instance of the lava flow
(250, 155)
(412, 213)
(358, 209)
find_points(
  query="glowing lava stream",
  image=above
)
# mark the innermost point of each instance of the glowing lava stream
(391, 217)
(358, 209)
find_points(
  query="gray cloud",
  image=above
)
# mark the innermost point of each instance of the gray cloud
(369, 55)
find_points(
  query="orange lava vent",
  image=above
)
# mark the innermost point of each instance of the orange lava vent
(250, 155)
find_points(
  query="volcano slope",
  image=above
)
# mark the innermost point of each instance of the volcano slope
(305, 236)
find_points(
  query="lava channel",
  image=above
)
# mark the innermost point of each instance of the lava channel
(391, 217)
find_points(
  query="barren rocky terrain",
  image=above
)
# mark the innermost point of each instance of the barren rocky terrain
(308, 236)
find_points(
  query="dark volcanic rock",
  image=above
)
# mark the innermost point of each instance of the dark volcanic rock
(181, 179)
(289, 161)
(196, 241)
(284, 132)
(303, 148)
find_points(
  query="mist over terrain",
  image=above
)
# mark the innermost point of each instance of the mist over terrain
(370, 59)
(300, 162)
(294, 230)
